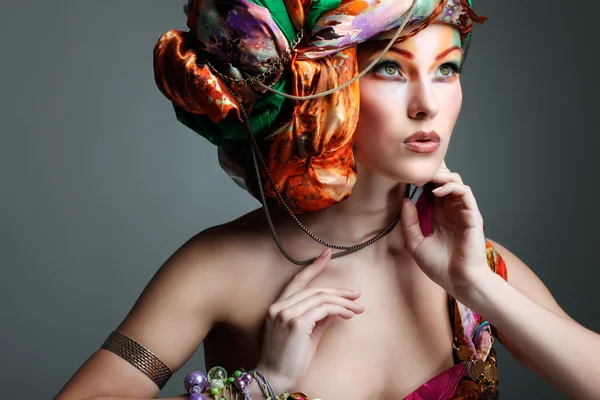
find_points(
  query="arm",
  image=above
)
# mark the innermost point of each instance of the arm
(530, 323)
(171, 318)
(184, 300)
(182, 397)
(535, 330)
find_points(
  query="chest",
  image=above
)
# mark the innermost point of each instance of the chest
(403, 338)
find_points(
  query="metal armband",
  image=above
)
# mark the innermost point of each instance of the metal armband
(138, 356)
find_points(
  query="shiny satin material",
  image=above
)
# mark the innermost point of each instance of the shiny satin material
(307, 143)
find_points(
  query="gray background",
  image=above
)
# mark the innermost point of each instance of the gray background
(100, 184)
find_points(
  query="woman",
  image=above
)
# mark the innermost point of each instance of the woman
(377, 322)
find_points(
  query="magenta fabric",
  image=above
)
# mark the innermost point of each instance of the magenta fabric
(425, 211)
(441, 387)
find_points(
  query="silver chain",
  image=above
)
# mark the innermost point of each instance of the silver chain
(278, 65)
(257, 157)
(317, 239)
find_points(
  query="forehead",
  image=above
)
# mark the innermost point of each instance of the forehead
(435, 37)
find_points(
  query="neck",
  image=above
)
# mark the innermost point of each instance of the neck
(374, 202)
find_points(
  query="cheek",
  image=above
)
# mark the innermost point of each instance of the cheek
(384, 119)
(372, 106)
(451, 105)
(375, 117)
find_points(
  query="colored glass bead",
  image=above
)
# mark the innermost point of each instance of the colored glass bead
(196, 389)
(217, 383)
(229, 381)
(246, 377)
(240, 384)
(217, 373)
(196, 396)
(214, 391)
(298, 396)
(195, 378)
(237, 374)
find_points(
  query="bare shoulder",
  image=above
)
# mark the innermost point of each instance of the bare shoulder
(522, 278)
(214, 261)
(248, 266)
(186, 297)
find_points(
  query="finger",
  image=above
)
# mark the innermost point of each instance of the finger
(409, 226)
(460, 192)
(321, 326)
(306, 322)
(284, 316)
(303, 294)
(308, 273)
(446, 176)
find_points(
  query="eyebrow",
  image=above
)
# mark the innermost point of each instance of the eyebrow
(411, 56)
(403, 52)
(407, 54)
(446, 52)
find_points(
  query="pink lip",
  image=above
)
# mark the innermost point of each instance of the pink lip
(423, 142)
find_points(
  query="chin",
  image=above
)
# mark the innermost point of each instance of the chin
(420, 173)
(420, 181)
(416, 171)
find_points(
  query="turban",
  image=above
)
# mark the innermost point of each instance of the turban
(217, 74)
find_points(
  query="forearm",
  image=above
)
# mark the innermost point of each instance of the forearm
(255, 393)
(564, 352)
(182, 397)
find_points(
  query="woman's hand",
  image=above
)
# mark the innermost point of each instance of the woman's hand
(454, 255)
(296, 322)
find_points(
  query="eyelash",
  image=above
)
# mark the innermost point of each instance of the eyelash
(452, 65)
(384, 62)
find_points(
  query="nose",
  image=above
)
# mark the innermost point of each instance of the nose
(423, 101)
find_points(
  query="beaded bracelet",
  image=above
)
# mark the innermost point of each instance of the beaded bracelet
(264, 384)
(228, 388)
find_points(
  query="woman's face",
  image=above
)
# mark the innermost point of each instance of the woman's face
(415, 89)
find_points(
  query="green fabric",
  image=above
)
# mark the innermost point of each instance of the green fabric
(318, 8)
(282, 19)
(280, 16)
(230, 132)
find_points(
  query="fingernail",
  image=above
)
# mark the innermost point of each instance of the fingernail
(355, 291)
(325, 253)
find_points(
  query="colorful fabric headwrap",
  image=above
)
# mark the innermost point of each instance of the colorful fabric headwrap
(232, 43)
